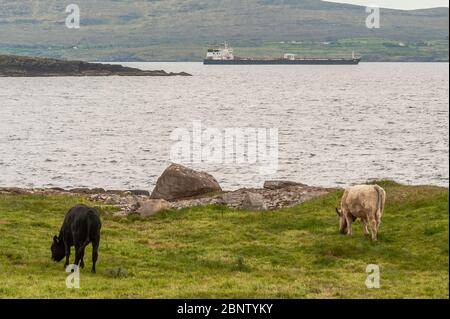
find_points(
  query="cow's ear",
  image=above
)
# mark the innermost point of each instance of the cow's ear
(338, 212)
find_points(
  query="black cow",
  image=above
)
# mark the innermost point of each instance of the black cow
(81, 226)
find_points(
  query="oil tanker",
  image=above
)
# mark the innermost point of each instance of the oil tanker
(225, 56)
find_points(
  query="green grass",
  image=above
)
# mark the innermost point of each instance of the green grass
(217, 252)
(370, 49)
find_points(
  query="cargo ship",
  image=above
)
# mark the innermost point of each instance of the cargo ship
(225, 56)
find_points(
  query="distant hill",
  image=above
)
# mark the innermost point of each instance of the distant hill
(181, 29)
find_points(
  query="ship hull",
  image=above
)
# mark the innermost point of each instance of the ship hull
(282, 62)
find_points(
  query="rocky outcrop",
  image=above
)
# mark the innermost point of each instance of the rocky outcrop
(281, 184)
(85, 190)
(139, 192)
(138, 202)
(178, 182)
(20, 66)
(257, 198)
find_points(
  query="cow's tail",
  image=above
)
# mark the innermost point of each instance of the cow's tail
(380, 201)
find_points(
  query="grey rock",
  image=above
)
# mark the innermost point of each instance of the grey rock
(97, 190)
(15, 191)
(116, 192)
(85, 190)
(110, 201)
(254, 201)
(256, 198)
(178, 182)
(139, 192)
(233, 199)
(276, 184)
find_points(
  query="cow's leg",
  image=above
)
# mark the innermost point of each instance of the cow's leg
(349, 220)
(82, 253)
(82, 256)
(364, 224)
(95, 244)
(79, 253)
(373, 228)
(378, 221)
(67, 249)
(82, 260)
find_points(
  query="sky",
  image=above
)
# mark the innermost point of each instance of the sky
(398, 4)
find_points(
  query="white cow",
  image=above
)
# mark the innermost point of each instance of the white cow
(365, 202)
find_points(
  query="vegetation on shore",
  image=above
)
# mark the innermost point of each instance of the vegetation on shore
(176, 30)
(213, 251)
(371, 50)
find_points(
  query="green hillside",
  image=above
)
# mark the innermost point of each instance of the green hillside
(218, 252)
(179, 30)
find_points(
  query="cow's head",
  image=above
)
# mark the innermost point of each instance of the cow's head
(342, 221)
(58, 249)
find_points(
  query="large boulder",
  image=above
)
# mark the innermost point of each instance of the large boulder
(178, 182)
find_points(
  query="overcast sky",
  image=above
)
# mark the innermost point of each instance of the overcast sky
(398, 4)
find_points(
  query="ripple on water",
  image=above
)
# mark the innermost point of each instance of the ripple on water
(118, 135)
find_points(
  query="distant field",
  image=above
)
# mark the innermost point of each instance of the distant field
(371, 50)
(218, 252)
(179, 30)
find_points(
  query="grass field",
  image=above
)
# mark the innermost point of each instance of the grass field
(370, 49)
(217, 252)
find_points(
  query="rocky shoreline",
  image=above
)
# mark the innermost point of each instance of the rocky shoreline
(180, 187)
(140, 202)
(21, 66)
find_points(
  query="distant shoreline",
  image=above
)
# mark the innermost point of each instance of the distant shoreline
(124, 62)
(23, 66)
